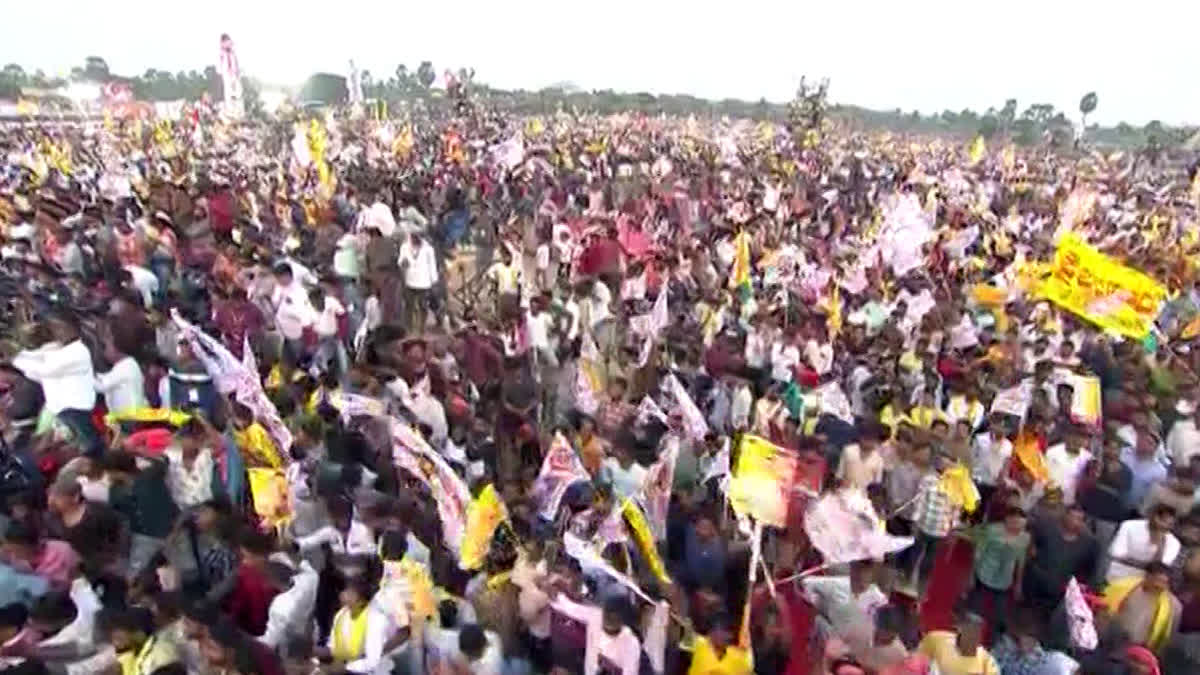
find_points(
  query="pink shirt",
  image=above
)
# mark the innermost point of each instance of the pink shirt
(57, 563)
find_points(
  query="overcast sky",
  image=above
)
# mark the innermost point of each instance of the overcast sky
(1141, 58)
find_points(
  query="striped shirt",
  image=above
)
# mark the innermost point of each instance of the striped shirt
(933, 511)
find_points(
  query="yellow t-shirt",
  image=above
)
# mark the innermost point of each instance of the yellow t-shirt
(939, 646)
(735, 660)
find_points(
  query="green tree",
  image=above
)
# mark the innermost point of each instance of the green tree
(252, 98)
(95, 68)
(1039, 113)
(404, 80)
(325, 88)
(425, 74)
(989, 126)
(1008, 114)
(13, 73)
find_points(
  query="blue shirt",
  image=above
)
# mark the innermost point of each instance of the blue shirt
(18, 588)
(1146, 472)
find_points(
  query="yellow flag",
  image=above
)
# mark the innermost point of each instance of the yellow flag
(269, 492)
(976, 151)
(833, 323)
(1030, 457)
(644, 540)
(739, 279)
(484, 515)
(957, 484)
(1009, 158)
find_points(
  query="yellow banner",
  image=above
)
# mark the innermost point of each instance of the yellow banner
(175, 418)
(762, 484)
(484, 515)
(1102, 290)
(644, 540)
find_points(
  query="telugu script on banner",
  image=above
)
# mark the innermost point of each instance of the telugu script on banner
(1102, 290)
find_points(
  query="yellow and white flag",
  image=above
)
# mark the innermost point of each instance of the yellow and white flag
(484, 515)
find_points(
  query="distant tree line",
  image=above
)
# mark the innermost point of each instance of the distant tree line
(1037, 123)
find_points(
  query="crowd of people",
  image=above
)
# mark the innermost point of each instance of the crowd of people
(466, 392)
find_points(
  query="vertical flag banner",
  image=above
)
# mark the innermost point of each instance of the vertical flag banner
(560, 469)
(1085, 400)
(644, 540)
(484, 515)
(231, 76)
(739, 278)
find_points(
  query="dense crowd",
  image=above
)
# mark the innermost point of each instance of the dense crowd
(467, 392)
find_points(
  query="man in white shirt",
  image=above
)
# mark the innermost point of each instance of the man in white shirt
(819, 355)
(122, 387)
(378, 216)
(418, 263)
(609, 640)
(785, 356)
(327, 325)
(290, 613)
(371, 659)
(1141, 542)
(1066, 462)
(1183, 441)
(62, 364)
(68, 622)
(847, 605)
(293, 310)
(989, 456)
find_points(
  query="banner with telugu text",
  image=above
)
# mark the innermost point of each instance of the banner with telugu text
(1098, 288)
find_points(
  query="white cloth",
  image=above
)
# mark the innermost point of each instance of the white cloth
(852, 616)
(145, 282)
(65, 373)
(622, 650)
(326, 324)
(420, 265)
(81, 632)
(293, 310)
(291, 611)
(784, 357)
(444, 646)
(739, 407)
(757, 349)
(1065, 469)
(371, 661)
(1132, 542)
(123, 387)
(988, 458)
(189, 485)
(359, 540)
(819, 356)
(378, 216)
(1183, 441)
